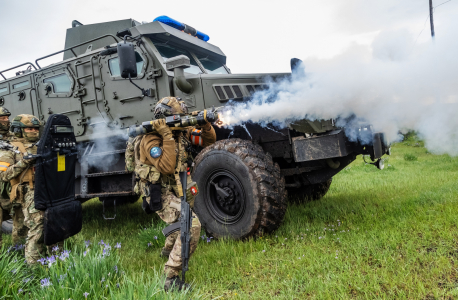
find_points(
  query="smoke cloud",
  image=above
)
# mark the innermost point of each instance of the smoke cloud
(395, 84)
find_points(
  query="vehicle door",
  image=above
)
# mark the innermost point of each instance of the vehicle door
(127, 104)
(17, 95)
(55, 91)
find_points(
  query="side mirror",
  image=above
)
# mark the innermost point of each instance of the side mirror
(127, 61)
(177, 64)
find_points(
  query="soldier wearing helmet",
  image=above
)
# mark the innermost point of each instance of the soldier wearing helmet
(20, 174)
(7, 208)
(157, 158)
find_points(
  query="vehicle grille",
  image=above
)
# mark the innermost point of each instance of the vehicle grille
(226, 92)
(220, 93)
(229, 92)
(237, 91)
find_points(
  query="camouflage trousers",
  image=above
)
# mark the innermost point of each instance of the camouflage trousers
(34, 219)
(170, 213)
(19, 229)
(35, 247)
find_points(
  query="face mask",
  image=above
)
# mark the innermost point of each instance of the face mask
(31, 136)
(4, 125)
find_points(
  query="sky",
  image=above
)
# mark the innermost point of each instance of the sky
(256, 36)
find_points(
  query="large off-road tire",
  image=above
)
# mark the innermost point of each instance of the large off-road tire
(309, 192)
(252, 196)
(7, 226)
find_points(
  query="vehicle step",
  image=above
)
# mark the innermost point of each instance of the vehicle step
(95, 195)
(107, 174)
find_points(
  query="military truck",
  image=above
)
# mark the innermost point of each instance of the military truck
(243, 178)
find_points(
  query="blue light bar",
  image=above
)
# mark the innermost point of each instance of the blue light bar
(182, 27)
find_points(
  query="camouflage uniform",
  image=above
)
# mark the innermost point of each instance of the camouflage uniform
(21, 176)
(8, 210)
(165, 169)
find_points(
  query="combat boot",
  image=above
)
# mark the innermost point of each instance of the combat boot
(165, 252)
(175, 284)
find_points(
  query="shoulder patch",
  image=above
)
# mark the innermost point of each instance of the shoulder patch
(155, 152)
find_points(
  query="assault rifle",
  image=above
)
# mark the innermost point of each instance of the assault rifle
(177, 122)
(7, 146)
(185, 228)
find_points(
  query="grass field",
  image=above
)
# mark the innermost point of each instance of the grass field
(389, 234)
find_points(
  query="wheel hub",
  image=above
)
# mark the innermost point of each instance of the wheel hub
(225, 197)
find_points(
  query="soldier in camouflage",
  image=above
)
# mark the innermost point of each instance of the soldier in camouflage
(159, 157)
(21, 176)
(8, 210)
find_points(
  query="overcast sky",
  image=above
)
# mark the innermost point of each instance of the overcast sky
(256, 36)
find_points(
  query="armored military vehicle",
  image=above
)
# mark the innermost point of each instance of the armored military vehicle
(243, 178)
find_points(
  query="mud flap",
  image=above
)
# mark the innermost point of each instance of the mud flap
(62, 222)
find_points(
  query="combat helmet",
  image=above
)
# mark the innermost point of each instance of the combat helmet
(25, 121)
(169, 106)
(4, 125)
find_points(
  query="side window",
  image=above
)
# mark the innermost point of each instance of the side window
(61, 83)
(20, 84)
(114, 65)
(3, 90)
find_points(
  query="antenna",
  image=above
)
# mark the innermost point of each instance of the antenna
(431, 19)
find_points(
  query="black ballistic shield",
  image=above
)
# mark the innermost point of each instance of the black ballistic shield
(55, 180)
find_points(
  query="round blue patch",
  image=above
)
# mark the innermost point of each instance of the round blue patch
(155, 152)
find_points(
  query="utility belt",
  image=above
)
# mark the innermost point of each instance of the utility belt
(27, 176)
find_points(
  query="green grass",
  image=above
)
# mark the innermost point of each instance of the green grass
(389, 234)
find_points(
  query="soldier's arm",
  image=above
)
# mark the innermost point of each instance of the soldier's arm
(166, 162)
(15, 169)
(207, 134)
(130, 156)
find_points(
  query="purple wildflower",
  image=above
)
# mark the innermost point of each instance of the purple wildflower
(55, 249)
(117, 285)
(103, 279)
(51, 260)
(14, 271)
(203, 237)
(20, 291)
(87, 243)
(263, 250)
(42, 260)
(155, 237)
(86, 294)
(116, 269)
(101, 242)
(84, 253)
(118, 246)
(209, 239)
(149, 244)
(64, 255)
(45, 282)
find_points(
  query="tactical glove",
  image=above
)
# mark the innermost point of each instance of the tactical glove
(29, 161)
(161, 127)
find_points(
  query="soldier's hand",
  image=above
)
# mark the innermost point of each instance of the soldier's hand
(29, 161)
(161, 127)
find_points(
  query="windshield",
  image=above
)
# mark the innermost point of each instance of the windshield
(211, 66)
(167, 51)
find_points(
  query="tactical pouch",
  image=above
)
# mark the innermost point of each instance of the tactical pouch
(62, 222)
(152, 194)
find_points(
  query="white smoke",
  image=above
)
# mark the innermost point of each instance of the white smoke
(395, 84)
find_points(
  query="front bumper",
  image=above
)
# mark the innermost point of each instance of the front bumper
(336, 144)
